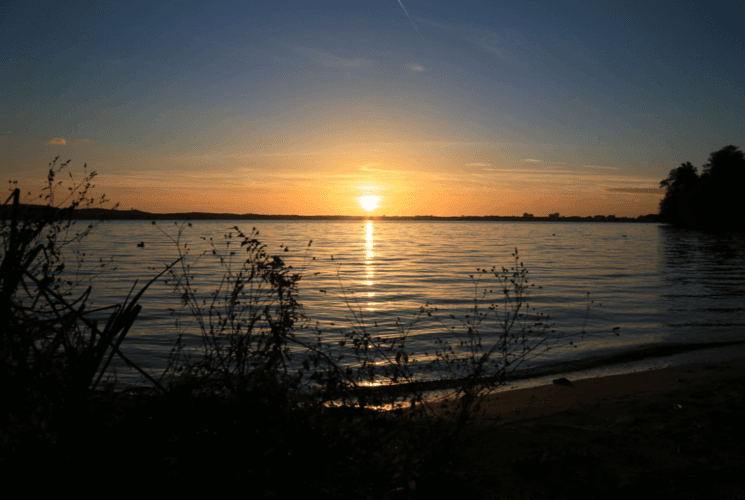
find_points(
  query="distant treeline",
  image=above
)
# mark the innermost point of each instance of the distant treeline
(101, 213)
(712, 200)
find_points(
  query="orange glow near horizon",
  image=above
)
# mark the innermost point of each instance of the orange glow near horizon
(339, 196)
(381, 180)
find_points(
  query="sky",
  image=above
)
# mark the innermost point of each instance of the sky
(381, 107)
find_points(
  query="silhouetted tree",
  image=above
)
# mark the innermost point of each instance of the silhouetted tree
(712, 201)
(724, 176)
(681, 183)
(726, 165)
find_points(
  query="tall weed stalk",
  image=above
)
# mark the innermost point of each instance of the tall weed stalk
(52, 351)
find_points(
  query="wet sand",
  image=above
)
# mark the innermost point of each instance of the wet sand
(673, 431)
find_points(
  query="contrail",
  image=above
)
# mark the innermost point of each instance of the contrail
(407, 15)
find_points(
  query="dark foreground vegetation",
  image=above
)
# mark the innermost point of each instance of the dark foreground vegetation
(266, 400)
(712, 200)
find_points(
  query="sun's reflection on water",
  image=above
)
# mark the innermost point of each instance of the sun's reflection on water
(369, 264)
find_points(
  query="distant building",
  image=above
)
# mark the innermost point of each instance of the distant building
(553, 216)
(526, 215)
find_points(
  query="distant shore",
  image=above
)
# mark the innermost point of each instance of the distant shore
(102, 213)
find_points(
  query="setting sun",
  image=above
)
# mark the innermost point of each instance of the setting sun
(369, 203)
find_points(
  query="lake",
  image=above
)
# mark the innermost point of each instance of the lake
(665, 289)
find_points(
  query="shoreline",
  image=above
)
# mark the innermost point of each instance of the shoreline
(604, 392)
(656, 357)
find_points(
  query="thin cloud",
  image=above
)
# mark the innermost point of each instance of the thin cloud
(407, 15)
(180, 178)
(478, 164)
(601, 168)
(633, 190)
(417, 67)
(332, 61)
(382, 148)
(489, 44)
(507, 44)
(367, 167)
(289, 153)
(57, 141)
(519, 171)
(531, 160)
(437, 25)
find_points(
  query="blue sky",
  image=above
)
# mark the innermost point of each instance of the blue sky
(304, 107)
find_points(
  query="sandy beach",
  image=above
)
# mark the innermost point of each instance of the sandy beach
(673, 431)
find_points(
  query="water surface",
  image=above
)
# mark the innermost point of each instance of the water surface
(660, 286)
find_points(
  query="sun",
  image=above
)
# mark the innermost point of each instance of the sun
(369, 203)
